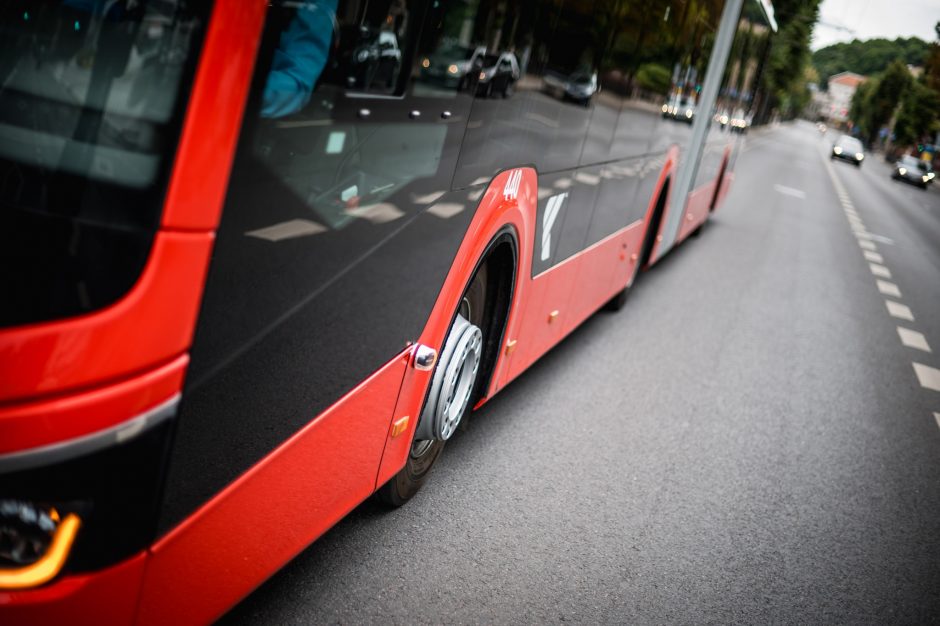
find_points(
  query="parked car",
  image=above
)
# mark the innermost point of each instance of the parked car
(452, 65)
(912, 170)
(848, 149)
(498, 74)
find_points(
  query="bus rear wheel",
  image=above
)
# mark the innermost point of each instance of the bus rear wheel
(453, 392)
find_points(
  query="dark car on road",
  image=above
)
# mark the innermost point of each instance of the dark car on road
(848, 149)
(912, 170)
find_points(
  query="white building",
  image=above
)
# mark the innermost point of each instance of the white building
(842, 87)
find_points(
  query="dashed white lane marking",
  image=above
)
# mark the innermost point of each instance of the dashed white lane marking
(888, 289)
(880, 270)
(936, 416)
(867, 245)
(874, 256)
(900, 311)
(790, 191)
(927, 376)
(913, 339)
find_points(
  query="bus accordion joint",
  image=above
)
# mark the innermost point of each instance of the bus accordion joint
(49, 564)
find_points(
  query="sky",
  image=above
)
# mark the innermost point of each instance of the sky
(875, 18)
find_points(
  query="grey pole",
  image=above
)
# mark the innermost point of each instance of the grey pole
(703, 118)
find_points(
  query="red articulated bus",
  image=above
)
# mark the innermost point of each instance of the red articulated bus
(260, 260)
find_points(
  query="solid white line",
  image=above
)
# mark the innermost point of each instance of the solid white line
(874, 256)
(913, 339)
(901, 311)
(888, 289)
(879, 270)
(867, 245)
(927, 376)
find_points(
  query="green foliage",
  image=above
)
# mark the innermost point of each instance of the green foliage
(789, 54)
(873, 105)
(918, 115)
(654, 77)
(867, 57)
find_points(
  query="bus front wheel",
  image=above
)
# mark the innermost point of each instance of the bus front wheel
(453, 392)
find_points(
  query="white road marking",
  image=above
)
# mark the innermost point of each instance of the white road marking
(888, 289)
(446, 210)
(865, 236)
(927, 376)
(901, 311)
(874, 256)
(936, 416)
(287, 230)
(867, 245)
(913, 339)
(883, 239)
(790, 191)
(880, 270)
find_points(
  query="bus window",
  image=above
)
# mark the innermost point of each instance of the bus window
(90, 110)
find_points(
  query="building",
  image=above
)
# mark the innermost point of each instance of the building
(842, 87)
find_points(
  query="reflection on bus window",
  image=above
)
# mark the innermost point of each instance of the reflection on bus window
(85, 83)
(342, 170)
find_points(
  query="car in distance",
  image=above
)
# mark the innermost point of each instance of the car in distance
(912, 170)
(679, 108)
(848, 149)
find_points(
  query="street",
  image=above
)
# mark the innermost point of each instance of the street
(754, 438)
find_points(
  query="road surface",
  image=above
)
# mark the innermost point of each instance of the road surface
(754, 438)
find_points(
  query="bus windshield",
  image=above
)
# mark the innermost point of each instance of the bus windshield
(91, 97)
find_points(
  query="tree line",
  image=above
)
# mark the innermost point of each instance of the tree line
(897, 110)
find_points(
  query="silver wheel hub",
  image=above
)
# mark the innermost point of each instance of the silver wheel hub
(453, 381)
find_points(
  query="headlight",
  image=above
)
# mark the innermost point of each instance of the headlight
(723, 119)
(925, 178)
(452, 69)
(688, 112)
(859, 156)
(482, 75)
(837, 150)
(34, 543)
(665, 109)
(425, 63)
(930, 175)
(902, 171)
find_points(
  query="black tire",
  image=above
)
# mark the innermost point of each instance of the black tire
(407, 482)
(618, 301)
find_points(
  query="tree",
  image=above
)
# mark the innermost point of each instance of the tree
(918, 114)
(873, 107)
(867, 57)
(789, 53)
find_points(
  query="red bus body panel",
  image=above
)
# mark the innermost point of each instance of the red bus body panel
(105, 598)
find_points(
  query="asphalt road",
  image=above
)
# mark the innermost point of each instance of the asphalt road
(747, 441)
